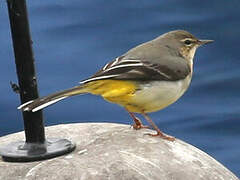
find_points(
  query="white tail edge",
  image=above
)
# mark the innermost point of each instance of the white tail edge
(46, 104)
(20, 107)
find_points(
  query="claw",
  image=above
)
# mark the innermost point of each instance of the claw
(137, 122)
(163, 136)
(139, 126)
(159, 133)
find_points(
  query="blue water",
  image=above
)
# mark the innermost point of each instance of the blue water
(73, 39)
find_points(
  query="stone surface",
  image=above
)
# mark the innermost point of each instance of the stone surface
(116, 152)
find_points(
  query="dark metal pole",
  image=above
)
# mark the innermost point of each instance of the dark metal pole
(24, 59)
(35, 147)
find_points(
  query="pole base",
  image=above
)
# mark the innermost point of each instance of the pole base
(26, 152)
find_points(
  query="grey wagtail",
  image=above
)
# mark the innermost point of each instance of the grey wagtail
(145, 79)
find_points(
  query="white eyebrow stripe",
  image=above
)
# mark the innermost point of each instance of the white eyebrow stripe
(124, 65)
(97, 78)
(191, 39)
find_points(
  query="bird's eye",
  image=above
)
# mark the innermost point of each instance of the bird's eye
(187, 42)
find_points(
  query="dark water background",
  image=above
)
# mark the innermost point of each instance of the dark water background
(73, 39)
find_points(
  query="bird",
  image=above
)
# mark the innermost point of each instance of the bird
(147, 78)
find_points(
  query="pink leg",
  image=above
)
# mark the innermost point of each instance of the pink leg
(137, 122)
(159, 133)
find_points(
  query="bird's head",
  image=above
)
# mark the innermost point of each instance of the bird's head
(183, 42)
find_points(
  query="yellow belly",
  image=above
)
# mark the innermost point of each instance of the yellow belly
(147, 97)
(115, 91)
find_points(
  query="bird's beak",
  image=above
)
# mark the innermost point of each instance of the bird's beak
(201, 42)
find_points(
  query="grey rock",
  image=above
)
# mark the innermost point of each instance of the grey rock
(116, 152)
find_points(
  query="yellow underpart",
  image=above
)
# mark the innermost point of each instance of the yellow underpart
(115, 91)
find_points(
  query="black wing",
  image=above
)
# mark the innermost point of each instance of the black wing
(142, 70)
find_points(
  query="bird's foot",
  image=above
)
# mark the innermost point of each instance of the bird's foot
(138, 126)
(137, 122)
(162, 135)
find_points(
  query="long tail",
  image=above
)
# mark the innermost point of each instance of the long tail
(43, 102)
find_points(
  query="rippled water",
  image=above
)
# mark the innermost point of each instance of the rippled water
(73, 39)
